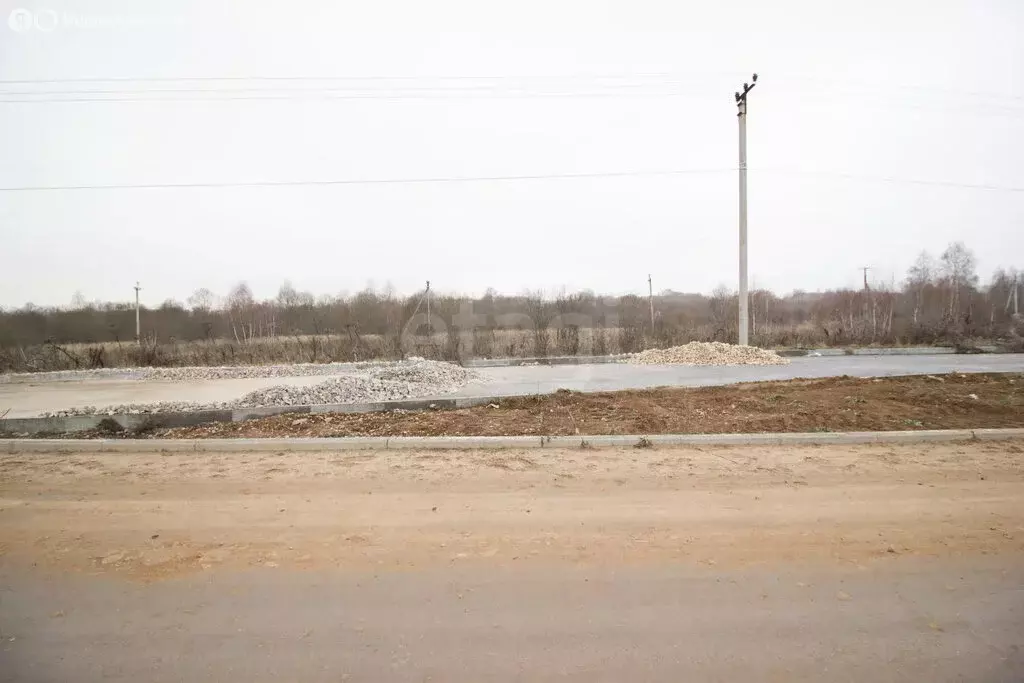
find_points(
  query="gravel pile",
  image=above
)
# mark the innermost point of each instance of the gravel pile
(708, 353)
(414, 378)
(409, 379)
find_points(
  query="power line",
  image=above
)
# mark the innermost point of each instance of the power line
(455, 77)
(505, 178)
(146, 91)
(320, 96)
(891, 179)
(854, 83)
(298, 96)
(476, 92)
(679, 76)
(370, 181)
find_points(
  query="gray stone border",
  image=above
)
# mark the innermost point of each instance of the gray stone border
(14, 446)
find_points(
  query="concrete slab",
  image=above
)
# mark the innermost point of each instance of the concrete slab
(539, 379)
(28, 399)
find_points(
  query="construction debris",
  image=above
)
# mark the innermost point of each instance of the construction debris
(708, 353)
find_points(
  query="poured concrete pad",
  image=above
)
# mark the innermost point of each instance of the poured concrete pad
(539, 379)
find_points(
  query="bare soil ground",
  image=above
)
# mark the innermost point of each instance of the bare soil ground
(148, 517)
(875, 562)
(952, 401)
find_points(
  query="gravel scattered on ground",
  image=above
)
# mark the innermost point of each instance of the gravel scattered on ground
(194, 373)
(708, 353)
(413, 378)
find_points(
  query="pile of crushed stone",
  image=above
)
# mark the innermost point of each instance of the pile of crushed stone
(413, 378)
(708, 353)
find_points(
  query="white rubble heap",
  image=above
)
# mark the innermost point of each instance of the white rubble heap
(412, 378)
(708, 353)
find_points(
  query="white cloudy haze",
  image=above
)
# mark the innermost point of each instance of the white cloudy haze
(853, 100)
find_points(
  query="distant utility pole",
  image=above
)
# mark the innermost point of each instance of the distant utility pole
(865, 269)
(430, 327)
(138, 329)
(650, 298)
(741, 105)
(1013, 296)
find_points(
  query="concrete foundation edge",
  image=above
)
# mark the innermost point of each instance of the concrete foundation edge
(15, 446)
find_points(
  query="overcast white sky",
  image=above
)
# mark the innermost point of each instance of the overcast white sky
(901, 89)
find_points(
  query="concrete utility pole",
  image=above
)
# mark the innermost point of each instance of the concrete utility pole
(1014, 295)
(138, 335)
(865, 269)
(741, 105)
(430, 328)
(650, 298)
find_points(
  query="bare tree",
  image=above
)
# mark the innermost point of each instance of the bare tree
(78, 301)
(920, 275)
(287, 296)
(202, 300)
(240, 303)
(959, 269)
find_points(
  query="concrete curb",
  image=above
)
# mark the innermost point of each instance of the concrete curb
(15, 446)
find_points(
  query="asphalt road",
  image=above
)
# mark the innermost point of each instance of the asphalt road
(908, 621)
(26, 399)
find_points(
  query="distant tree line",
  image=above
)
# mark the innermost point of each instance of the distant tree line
(941, 301)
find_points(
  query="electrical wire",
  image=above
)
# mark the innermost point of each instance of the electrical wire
(456, 77)
(323, 96)
(509, 178)
(889, 179)
(370, 181)
(129, 91)
(669, 76)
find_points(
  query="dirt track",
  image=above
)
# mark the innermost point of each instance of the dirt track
(882, 563)
(153, 516)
